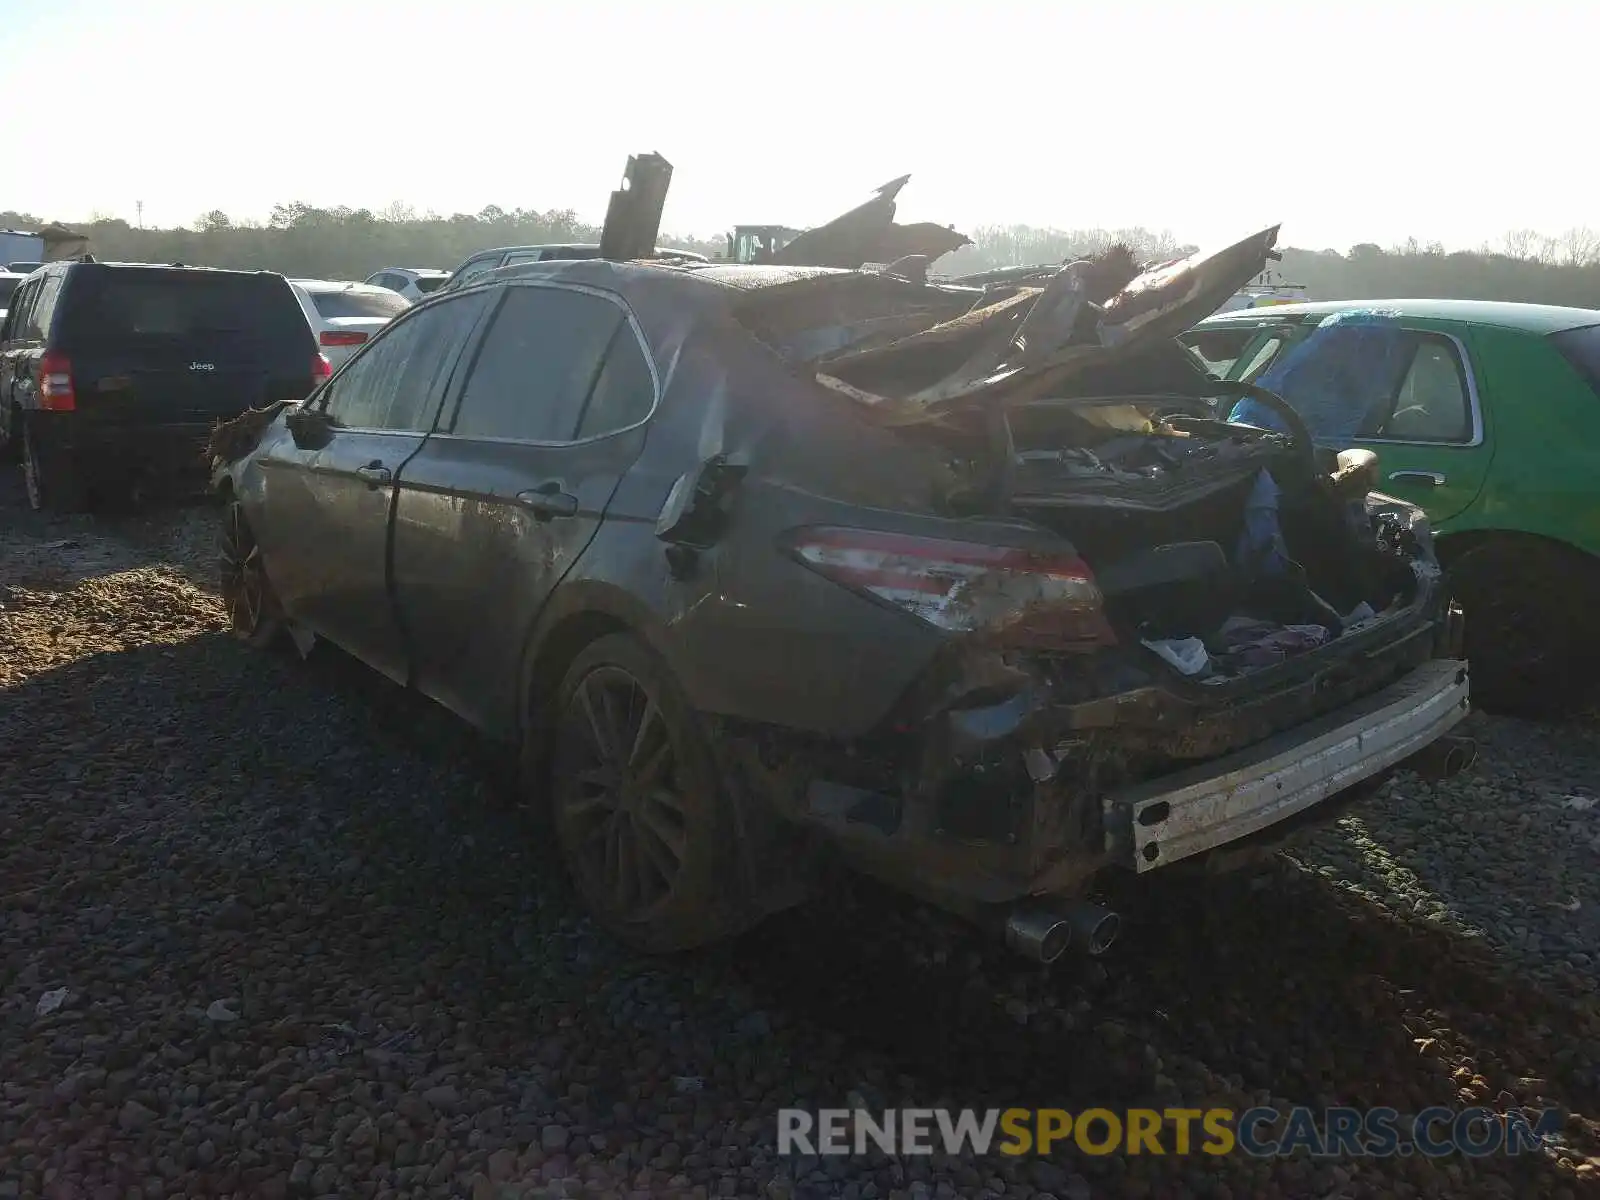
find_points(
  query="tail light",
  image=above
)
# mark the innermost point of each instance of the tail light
(342, 337)
(321, 369)
(1021, 597)
(55, 383)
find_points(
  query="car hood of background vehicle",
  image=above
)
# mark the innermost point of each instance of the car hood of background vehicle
(913, 350)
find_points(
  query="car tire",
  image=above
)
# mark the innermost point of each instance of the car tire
(49, 473)
(1529, 607)
(254, 615)
(639, 808)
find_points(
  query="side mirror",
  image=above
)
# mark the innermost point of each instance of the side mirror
(311, 428)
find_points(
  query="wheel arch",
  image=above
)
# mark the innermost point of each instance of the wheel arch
(1451, 548)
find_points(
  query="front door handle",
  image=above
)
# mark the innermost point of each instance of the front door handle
(1431, 478)
(374, 473)
(547, 501)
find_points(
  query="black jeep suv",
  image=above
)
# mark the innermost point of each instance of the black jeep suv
(112, 374)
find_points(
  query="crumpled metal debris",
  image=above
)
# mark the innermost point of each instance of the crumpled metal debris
(868, 234)
(922, 349)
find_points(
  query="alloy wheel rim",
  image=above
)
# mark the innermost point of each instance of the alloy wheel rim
(619, 797)
(243, 582)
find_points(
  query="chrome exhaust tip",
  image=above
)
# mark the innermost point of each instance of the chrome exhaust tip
(1038, 934)
(1044, 932)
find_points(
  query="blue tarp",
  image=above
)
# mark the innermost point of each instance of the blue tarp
(1350, 363)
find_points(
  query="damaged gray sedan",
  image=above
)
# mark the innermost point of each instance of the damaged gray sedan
(764, 568)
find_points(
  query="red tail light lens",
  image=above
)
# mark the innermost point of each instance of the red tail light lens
(55, 383)
(321, 368)
(1021, 597)
(342, 337)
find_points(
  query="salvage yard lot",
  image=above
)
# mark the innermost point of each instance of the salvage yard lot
(308, 949)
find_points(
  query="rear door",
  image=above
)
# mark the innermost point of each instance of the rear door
(181, 346)
(499, 504)
(324, 527)
(1429, 436)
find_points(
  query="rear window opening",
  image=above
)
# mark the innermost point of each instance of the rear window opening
(359, 304)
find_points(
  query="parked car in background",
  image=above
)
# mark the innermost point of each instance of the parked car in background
(9, 282)
(1484, 422)
(510, 256)
(111, 373)
(411, 282)
(344, 315)
(745, 611)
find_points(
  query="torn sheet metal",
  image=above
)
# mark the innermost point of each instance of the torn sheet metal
(868, 233)
(1028, 340)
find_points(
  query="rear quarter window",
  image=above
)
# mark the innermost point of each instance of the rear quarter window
(358, 304)
(430, 283)
(1581, 348)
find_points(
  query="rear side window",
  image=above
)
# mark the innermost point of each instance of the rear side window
(475, 268)
(120, 306)
(358, 304)
(44, 306)
(1581, 348)
(428, 283)
(625, 392)
(8, 288)
(537, 364)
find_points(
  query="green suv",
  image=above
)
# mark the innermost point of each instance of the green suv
(1491, 423)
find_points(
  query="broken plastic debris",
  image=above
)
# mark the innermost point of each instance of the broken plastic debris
(50, 1001)
(1188, 655)
(63, 544)
(219, 1011)
(687, 1083)
(1579, 803)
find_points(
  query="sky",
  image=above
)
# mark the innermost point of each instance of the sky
(1347, 122)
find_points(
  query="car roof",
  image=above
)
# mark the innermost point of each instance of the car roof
(590, 249)
(1504, 314)
(725, 276)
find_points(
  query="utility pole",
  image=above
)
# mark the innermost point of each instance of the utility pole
(139, 205)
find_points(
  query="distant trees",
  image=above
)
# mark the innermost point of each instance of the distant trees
(345, 243)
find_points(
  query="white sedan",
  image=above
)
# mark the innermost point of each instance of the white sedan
(345, 315)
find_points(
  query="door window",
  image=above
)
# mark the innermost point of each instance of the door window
(475, 268)
(394, 384)
(1433, 403)
(625, 392)
(537, 364)
(17, 317)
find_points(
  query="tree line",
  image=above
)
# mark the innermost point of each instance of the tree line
(344, 243)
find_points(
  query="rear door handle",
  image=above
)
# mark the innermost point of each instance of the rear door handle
(1431, 478)
(548, 500)
(374, 473)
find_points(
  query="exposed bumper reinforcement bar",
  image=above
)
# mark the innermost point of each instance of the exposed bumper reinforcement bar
(1169, 819)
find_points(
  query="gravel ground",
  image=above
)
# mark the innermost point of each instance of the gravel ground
(306, 949)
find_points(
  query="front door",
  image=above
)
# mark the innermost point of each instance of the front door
(326, 523)
(501, 501)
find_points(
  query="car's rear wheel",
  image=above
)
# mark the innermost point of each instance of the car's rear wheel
(254, 615)
(49, 474)
(638, 806)
(1528, 607)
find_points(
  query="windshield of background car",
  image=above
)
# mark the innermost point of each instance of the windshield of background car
(8, 287)
(1581, 348)
(133, 306)
(359, 304)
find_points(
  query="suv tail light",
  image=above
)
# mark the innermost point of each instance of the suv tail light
(55, 383)
(321, 369)
(1021, 597)
(342, 337)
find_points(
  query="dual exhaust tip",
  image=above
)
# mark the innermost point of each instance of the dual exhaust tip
(1044, 932)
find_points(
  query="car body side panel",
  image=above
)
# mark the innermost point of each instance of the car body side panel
(1542, 419)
